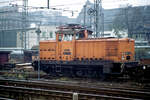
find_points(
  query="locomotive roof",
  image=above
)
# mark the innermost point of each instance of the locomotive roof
(109, 39)
(66, 31)
(72, 31)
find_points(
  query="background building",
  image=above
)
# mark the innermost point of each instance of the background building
(8, 26)
(18, 26)
(126, 21)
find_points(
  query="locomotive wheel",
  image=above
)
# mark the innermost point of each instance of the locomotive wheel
(84, 73)
(79, 73)
(88, 74)
(94, 74)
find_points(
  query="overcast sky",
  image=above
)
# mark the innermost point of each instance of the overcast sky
(76, 5)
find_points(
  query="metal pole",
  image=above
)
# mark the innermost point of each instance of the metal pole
(101, 18)
(127, 23)
(22, 32)
(39, 57)
(84, 15)
(48, 4)
(39, 66)
(103, 27)
(90, 21)
(97, 18)
(25, 12)
(38, 31)
(75, 96)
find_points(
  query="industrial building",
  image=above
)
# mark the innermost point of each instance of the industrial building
(18, 25)
(135, 18)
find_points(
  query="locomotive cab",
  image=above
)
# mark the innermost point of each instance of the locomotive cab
(83, 34)
(69, 35)
(65, 40)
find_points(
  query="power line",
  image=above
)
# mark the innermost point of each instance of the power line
(9, 1)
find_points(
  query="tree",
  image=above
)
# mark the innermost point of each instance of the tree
(127, 19)
(119, 24)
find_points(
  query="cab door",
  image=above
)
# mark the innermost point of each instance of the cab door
(67, 49)
(58, 46)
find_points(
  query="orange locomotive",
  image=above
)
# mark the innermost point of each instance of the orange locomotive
(75, 54)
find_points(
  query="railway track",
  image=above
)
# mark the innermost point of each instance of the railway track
(85, 91)
(63, 95)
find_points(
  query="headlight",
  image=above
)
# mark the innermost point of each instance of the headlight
(144, 67)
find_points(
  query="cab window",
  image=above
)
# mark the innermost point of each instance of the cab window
(68, 37)
(77, 36)
(59, 38)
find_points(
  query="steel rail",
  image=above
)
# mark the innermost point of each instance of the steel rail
(77, 88)
(56, 93)
(75, 84)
